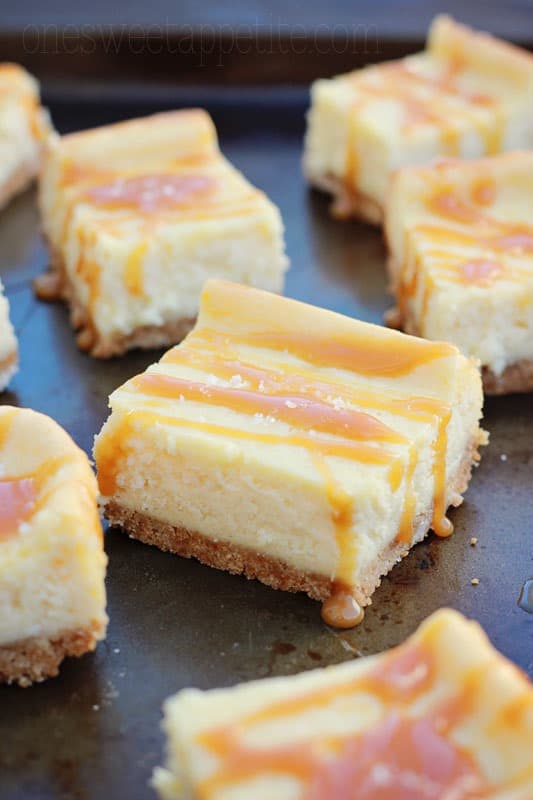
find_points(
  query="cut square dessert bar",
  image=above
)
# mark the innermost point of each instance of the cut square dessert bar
(8, 343)
(467, 95)
(293, 445)
(138, 215)
(461, 261)
(441, 717)
(52, 558)
(23, 127)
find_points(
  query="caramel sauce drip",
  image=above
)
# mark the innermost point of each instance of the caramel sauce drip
(134, 270)
(341, 609)
(293, 394)
(18, 497)
(152, 194)
(440, 522)
(213, 354)
(23, 495)
(298, 411)
(402, 757)
(472, 227)
(421, 98)
(362, 354)
(483, 192)
(481, 271)
(300, 380)
(109, 452)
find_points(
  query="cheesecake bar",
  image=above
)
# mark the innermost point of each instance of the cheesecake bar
(443, 716)
(460, 239)
(23, 127)
(52, 561)
(8, 343)
(138, 215)
(293, 445)
(467, 95)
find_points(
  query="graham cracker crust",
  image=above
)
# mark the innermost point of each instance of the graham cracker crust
(347, 202)
(517, 377)
(275, 572)
(37, 658)
(55, 285)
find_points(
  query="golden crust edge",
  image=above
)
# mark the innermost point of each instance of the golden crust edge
(275, 572)
(37, 658)
(88, 339)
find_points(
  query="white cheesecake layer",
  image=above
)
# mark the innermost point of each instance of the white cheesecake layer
(462, 269)
(142, 261)
(23, 126)
(53, 563)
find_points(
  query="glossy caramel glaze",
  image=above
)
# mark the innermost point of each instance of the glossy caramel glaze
(151, 194)
(18, 499)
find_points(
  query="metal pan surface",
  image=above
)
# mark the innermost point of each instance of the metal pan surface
(93, 732)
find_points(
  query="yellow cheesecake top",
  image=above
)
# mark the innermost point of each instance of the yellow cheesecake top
(41, 469)
(259, 368)
(151, 169)
(468, 222)
(441, 716)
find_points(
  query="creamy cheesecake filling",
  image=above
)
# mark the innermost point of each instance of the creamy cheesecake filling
(336, 408)
(119, 222)
(461, 239)
(51, 547)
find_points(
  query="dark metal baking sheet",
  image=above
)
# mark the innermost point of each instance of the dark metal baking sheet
(93, 732)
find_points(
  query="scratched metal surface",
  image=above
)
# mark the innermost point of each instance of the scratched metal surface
(94, 731)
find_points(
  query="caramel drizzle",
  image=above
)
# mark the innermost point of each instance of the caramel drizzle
(292, 394)
(297, 411)
(23, 495)
(305, 382)
(487, 238)
(416, 93)
(361, 354)
(108, 453)
(277, 392)
(153, 200)
(331, 766)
